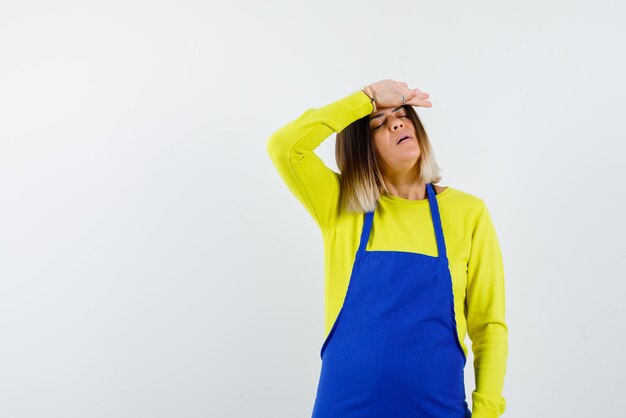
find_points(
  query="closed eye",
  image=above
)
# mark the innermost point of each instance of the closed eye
(401, 116)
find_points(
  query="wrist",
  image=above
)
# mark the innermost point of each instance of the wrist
(368, 91)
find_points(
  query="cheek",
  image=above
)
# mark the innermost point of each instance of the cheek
(382, 146)
(379, 142)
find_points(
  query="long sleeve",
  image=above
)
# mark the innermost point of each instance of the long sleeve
(291, 148)
(486, 324)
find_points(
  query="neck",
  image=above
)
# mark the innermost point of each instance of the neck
(412, 189)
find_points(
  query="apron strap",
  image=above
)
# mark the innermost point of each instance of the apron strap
(365, 232)
(434, 210)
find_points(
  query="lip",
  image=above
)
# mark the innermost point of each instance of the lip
(402, 136)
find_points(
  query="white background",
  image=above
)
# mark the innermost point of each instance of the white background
(152, 262)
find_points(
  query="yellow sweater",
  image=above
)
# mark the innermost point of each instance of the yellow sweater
(400, 224)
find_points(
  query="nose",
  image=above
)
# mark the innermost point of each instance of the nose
(397, 123)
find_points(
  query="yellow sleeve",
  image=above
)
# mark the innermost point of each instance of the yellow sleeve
(291, 147)
(486, 324)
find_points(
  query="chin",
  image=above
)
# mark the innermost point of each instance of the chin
(411, 154)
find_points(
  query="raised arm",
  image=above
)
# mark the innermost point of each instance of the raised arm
(486, 318)
(291, 148)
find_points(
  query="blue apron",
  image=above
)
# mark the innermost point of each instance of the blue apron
(393, 351)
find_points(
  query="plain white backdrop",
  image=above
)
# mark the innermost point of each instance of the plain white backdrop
(152, 262)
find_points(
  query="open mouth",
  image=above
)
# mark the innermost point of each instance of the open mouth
(405, 137)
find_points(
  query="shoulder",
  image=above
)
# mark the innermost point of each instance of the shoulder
(463, 201)
(465, 195)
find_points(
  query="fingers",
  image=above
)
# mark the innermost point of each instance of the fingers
(418, 98)
(418, 93)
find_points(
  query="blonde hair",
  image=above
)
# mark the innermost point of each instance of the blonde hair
(361, 182)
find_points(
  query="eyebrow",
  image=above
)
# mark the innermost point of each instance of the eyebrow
(380, 115)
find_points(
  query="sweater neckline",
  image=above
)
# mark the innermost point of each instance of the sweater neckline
(413, 202)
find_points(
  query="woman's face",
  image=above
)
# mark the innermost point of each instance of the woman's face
(388, 127)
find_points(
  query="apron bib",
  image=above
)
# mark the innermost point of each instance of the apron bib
(393, 351)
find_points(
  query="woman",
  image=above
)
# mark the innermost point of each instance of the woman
(410, 266)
